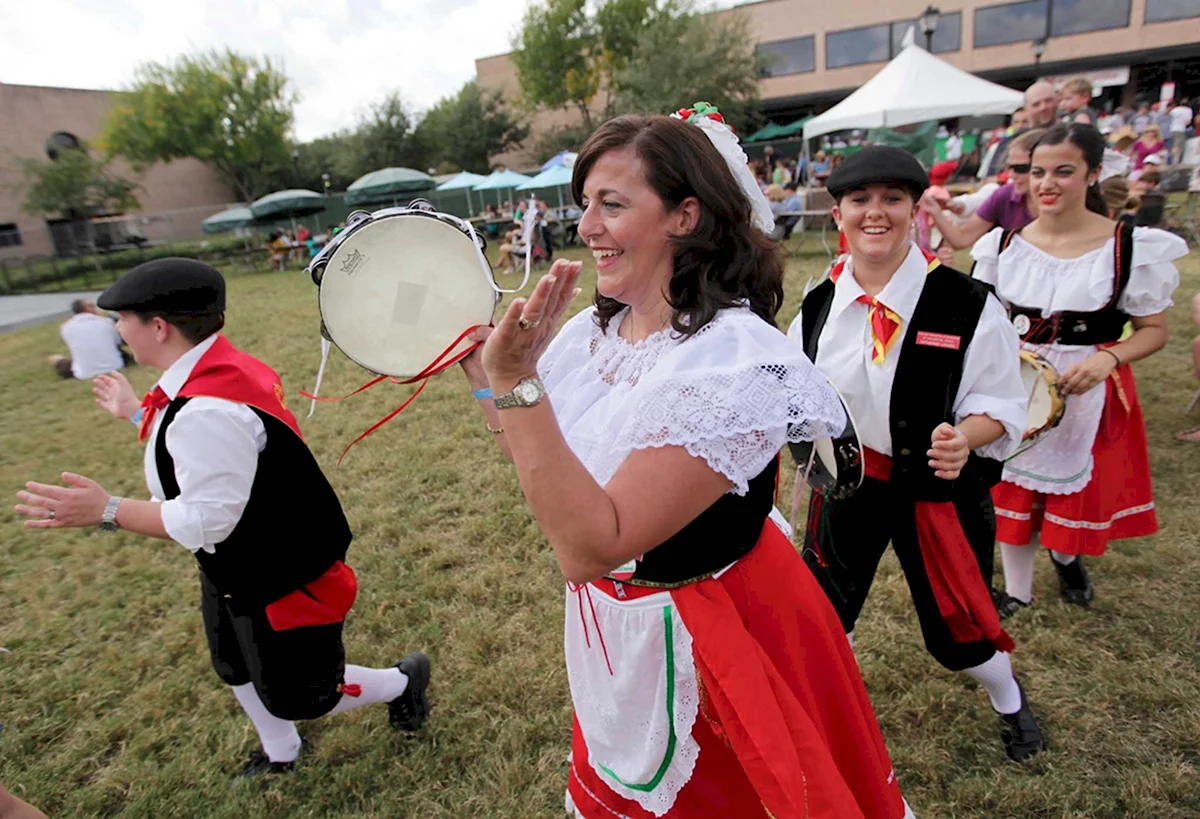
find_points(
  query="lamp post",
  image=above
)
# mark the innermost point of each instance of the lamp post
(296, 166)
(325, 179)
(1039, 48)
(929, 23)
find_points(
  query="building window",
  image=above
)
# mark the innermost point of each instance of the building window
(1078, 16)
(948, 36)
(1010, 23)
(10, 235)
(856, 46)
(787, 57)
(1160, 10)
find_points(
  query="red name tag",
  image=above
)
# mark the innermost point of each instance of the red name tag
(943, 340)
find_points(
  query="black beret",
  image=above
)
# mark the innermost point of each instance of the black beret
(875, 164)
(171, 285)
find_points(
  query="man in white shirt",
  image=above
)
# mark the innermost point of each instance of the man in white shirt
(93, 341)
(234, 483)
(1181, 119)
(954, 146)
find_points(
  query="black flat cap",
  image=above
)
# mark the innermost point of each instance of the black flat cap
(875, 164)
(171, 285)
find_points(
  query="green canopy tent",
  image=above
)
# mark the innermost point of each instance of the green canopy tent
(386, 184)
(773, 131)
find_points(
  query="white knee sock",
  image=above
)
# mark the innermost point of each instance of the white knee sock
(1061, 559)
(279, 737)
(375, 685)
(1018, 570)
(997, 678)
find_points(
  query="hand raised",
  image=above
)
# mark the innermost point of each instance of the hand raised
(115, 394)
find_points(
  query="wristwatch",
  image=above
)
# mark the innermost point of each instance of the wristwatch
(527, 393)
(108, 521)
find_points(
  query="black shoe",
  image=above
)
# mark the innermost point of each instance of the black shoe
(260, 764)
(409, 710)
(1074, 582)
(1020, 733)
(1007, 605)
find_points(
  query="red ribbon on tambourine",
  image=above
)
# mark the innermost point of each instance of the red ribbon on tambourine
(442, 362)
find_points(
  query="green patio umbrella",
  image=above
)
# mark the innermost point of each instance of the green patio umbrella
(385, 184)
(229, 219)
(289, 204)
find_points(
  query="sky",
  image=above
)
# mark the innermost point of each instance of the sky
(341, 55)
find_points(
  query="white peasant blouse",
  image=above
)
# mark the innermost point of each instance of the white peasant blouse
(732, 393)
(1061, 463)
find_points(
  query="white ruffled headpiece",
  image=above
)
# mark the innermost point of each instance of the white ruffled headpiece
(709, 120)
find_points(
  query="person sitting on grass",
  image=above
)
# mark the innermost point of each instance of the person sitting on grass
(93, 342)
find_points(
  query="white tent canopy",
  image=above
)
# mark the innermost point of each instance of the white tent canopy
(915, 87)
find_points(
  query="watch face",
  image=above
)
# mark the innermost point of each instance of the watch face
(528, 391)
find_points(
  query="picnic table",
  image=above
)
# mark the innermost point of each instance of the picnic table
(824, 215)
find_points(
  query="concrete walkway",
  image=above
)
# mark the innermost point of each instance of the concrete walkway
(18, 312)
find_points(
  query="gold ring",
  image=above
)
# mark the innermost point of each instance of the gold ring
(526, 324)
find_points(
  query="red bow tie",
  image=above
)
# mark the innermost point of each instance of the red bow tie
(154, 400)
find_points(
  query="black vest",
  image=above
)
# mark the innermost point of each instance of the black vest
(292, 529)
(721, 534)
(927, 379)
(1071, 327)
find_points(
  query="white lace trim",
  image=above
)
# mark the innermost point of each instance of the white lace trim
(732, 393)
(629, 700)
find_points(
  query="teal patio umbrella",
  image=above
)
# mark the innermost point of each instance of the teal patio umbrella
(555, 177)
(464, 181)
(502, 180)
(384, 185)
(291, 204)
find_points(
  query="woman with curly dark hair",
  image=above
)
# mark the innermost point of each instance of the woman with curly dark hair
(710, 676)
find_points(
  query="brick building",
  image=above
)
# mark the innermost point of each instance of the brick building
(175, 197)
(818, 51)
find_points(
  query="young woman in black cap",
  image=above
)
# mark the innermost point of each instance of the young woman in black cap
(927, 363)
(235, 484)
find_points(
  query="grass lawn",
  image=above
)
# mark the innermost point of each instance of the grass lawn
(110, 707)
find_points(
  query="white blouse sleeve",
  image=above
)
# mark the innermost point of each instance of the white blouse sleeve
(991, 382)
(1153, 277)
(733, 394)
(986, 254)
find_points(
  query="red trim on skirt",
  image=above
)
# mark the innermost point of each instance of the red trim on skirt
(1117, 503)
(785, 729)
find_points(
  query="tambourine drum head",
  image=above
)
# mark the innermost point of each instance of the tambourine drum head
(399, 290)
(1039, 402)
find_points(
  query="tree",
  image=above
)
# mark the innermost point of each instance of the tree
(229, 111)
(465, 129)
(385, 137)
(686, 57)
(75, 185)
(553, 57)
(634, 55)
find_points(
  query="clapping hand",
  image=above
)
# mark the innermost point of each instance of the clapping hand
(114, 393)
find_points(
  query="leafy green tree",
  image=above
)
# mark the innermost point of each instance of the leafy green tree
(554, 57)
(634, 55)
(386, 137)
(686, 57)
(463, 130)
(230, 111)
(74, 185)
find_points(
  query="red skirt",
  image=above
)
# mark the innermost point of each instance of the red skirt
(786, 729)
(1117, 503)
